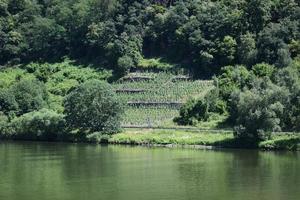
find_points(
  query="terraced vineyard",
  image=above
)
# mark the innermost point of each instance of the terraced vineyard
(153, 99)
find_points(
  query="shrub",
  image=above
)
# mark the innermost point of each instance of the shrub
(93, 107)
(41, 71)
(231, 79)
(38, 125)
(199, 110)
(7, 101)
(98, 137)
(192, 112)
(214, 102)
(154, 63)
(124, 64)
(30, 95)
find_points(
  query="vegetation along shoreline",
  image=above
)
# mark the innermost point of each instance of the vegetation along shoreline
(189, 140)
(81, 70)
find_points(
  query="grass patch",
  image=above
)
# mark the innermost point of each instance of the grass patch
(282, 142)
(170, 137)
(179, 137)
(215, 121)
(154, 63)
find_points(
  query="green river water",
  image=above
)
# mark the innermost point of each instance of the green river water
(57, 171)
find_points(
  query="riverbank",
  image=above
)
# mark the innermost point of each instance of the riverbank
(202, 140)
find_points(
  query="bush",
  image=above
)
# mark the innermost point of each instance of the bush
(215, 103)
(7, 101)
(30, 95)
(93, 107)
(192, 112)
(38, 125)
(260, 101)
(98, 137)
(124, 64)
(232, 78)
(199, 110)
(153, 64)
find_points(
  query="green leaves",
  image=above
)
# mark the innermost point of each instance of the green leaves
(30, 95)
(93, 107)
(259, 111)
(7, 101)
(192, 112)
(203, 36)
(262, 100)
(22, 97)
(38, 125)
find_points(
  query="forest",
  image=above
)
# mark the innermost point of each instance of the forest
(202, 35)
(52, 52)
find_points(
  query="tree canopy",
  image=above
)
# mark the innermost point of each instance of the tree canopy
(202, 35)
(93, 107)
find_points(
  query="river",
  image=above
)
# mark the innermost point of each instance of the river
(59, 171)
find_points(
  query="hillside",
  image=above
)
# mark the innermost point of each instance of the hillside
(153, 99)
(76, 58)
(201, 35)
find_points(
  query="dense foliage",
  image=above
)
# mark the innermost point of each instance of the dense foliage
(93, 107)
(258, 101)
(203, 35)
(192, 111)
(252, 47)
(267, 98)
(44, 125)
(23, 96)
(31, 100)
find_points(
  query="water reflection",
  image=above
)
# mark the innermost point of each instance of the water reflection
(54, 171)
(242, 175)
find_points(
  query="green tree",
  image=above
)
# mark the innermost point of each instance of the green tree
(232, 78)
(93, 107)
(294, 47)
(3, 125)
(227, 50)
(45, 39)
(258, 111)
(3, 8)
(272, 47)
(257, 13)
(192, 112)
(7, 101)
(289, 78)
(124, 65)
(15, 6)
(247, 49)
(30, 95)
(263, 70)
